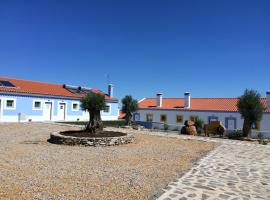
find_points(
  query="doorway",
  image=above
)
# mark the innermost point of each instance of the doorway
(47, 111)
(230, 123)
(62, 111)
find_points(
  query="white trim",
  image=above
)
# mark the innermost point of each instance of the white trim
(14, 104)
(41, 104)
(141, 100)
(75, 110)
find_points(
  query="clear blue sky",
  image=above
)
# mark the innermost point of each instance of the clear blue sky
(210, 48)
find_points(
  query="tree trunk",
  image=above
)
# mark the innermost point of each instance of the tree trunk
(246, 128)
(128, 119)
(95, 124)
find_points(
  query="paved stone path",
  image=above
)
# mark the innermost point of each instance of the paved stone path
(234, 170)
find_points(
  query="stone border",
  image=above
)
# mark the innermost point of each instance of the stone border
(57, 138)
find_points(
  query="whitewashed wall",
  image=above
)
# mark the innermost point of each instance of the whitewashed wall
(171, 117)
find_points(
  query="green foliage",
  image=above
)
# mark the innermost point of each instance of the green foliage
(129, 105)
(93, 102)
(235, 135)
(199, 123)
(250, 108)
(263, 142)
(166, 127)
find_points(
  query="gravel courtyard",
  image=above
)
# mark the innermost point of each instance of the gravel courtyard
(32, 168)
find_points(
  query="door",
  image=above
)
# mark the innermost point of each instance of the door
(231, 123)
(47, 111)
(62, 111)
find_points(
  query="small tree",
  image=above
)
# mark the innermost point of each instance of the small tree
(93, 103)
(199, 124)
(251, 109)
(129, 105)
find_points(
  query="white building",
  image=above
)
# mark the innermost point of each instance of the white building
(174, 111)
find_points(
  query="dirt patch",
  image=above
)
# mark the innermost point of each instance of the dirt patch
(48, 171)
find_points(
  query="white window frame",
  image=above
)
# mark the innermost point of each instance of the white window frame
(75, 110)
(14, 105)
(109, 109)
(41, 104)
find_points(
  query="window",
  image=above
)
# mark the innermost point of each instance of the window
(75, 106)
(163, 118)
(256, 126)
(193, 118)
(37, 105)
(10, 104)
(212, 119)
(179, 118)
(107, 109)
(149, 117)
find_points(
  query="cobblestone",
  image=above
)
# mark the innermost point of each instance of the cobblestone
(234, 170)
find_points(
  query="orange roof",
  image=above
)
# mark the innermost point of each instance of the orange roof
(41, 88)
(122, 115)
(201, 104)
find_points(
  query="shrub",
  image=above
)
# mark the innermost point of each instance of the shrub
(199, 125)
(236, 135)
(263, 142)
(166, 127)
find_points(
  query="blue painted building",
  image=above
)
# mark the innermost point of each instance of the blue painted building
(23, 100)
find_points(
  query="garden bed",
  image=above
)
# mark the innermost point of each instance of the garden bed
(81, 137)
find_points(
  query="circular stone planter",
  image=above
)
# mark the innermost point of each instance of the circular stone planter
(58, 138)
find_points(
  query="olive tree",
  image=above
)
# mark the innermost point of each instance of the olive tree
(129, 105)
(251, 109)
(93, 103)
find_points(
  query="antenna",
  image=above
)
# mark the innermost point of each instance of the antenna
(108, 78)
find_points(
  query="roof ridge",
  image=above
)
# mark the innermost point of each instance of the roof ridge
(31, 81)
(200, 98)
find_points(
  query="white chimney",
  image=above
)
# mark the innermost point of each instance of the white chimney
(159, 99)
(110, 90)
(268, 98)
(187, 99)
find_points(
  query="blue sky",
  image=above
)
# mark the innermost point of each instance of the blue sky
(210, 48)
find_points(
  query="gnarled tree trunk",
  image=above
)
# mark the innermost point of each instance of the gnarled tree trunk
(247, 128)
(128, 119)
(95, 123)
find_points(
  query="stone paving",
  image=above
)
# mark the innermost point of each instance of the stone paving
(234, 170)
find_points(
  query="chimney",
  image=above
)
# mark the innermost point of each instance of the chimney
(187, 99)
(268, 98)
(159, 99)
(110, 90)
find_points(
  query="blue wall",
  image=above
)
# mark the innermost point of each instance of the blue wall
(24, 104)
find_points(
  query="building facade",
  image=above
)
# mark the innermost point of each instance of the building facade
(23, 101)
(175, 111)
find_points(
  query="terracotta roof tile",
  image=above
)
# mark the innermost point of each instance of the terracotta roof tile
(215, 104)
(41, 88)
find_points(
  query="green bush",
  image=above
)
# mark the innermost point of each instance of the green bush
(166, 127)
(236, 135)
(199, 125)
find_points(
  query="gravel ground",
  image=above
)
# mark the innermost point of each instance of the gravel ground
(32, 168)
